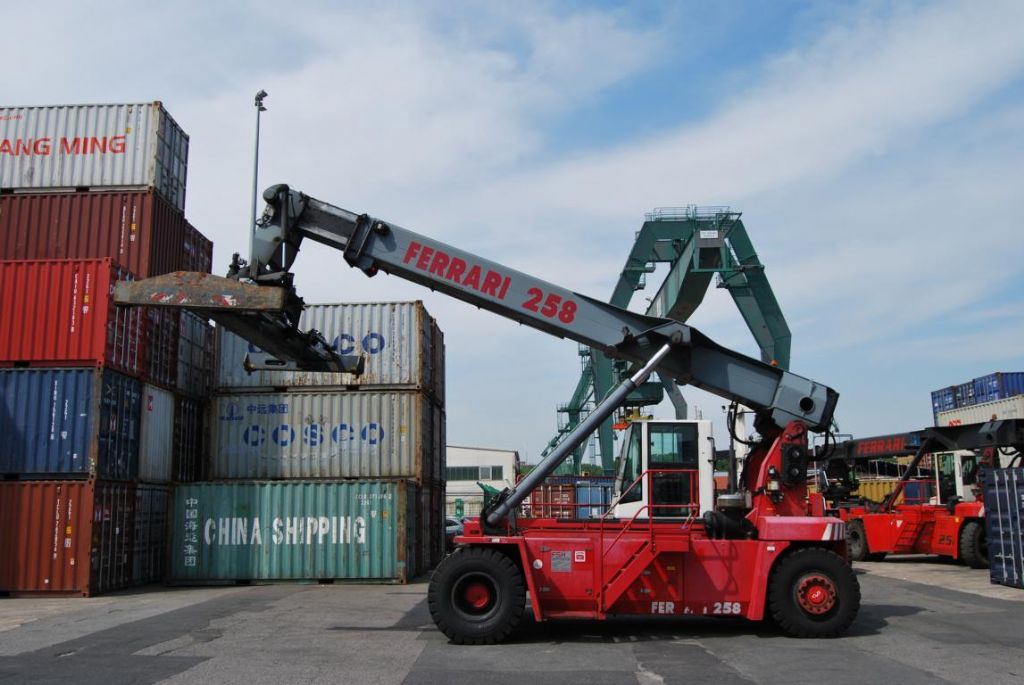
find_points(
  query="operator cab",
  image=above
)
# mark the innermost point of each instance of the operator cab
(958, 473)
(666, 470)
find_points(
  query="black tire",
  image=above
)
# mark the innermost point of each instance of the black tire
(856, 541)
(813, 593)
(974, 544)
(476, 596)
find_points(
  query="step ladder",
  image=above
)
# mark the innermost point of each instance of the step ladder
(625, 575)
(908, 535)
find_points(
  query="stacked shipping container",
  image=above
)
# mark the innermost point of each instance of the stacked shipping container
(1004, 525)
(323, 475)
(100, 407)
(981, 390)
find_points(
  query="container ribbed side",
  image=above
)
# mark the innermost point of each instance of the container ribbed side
(292, 530)
(93, 146)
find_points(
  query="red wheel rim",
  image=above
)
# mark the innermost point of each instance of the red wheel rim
(816, 594)
(477, 595)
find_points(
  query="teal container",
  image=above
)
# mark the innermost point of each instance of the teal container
(294, 530)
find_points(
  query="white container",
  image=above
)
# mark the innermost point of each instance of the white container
(401, 343)
(308, 434)
(156, 435)
(1010, 408)
(69, 147)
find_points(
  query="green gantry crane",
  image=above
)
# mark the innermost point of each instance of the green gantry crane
(698, 243)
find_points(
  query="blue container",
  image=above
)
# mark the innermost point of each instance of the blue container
(943, 400)
(69, 423)
(963, 395)
(1004, 525)
(593, 497)
(917, 491)
(998, 386)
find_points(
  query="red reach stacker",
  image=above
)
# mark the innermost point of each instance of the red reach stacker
(668, 545)
(938, 510)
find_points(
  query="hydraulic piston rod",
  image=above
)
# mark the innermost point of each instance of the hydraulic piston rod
(602, 411)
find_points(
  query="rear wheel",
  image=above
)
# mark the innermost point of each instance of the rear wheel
(477, 596)
(813, 593)
(974, 545)
(856, 541)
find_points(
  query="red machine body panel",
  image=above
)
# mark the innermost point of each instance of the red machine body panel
(577, 569)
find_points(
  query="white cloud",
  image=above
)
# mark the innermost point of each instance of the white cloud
(856, 93)
(436, 117)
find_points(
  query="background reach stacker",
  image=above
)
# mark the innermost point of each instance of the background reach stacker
(946, 515)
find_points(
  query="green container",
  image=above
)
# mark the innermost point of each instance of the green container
(294, 530)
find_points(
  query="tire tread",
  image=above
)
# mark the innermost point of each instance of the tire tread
(785, 613)
(970, 544)
(450, 565)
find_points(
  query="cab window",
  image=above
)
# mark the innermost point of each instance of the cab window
(673, 446)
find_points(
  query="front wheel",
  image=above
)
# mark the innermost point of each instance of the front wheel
(974, 545)
(476, 596)
(813, 593)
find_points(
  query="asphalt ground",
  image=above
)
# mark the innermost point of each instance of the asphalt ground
(914, 627)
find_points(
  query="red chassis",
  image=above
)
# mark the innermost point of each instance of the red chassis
(790, 562)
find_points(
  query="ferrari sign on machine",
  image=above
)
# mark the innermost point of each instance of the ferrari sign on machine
(668, 544)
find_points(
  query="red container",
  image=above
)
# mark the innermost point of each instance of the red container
(139, 230)
(72, 537)
(553, 501)
(62, 313)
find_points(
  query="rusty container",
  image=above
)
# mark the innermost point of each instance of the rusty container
(139, 230)
(556, 500)
(70, 537)
(62, 313)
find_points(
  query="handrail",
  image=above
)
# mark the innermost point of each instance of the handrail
(650, 505)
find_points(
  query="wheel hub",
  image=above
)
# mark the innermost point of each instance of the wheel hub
(477, 595)
(816, 594)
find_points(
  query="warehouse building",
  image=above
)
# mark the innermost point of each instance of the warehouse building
(466, 466)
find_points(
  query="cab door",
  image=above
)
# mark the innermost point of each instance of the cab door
(679, 458)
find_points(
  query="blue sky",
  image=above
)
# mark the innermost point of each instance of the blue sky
(875, 149)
